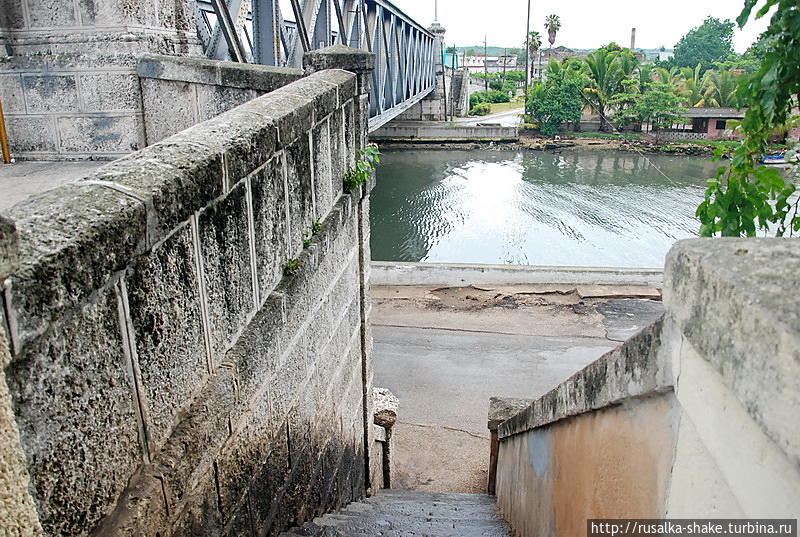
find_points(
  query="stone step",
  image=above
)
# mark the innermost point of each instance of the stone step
(396, 513)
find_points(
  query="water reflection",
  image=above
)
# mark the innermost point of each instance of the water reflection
(574, 208)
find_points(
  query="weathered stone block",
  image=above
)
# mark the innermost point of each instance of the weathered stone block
(264, 78)
(75, 409)
(164, 299)
(50, 93)
(256, 353)
(247, 138)
(300, 185)
(196, 439)
(175, 14)
(246, 455)
(385, 407)
(51, 13)
(179, 176)
(292, 114)
(109, 134)
(18, 513)
(339, 57)
(270, 226)
(286, 385)
(70, 239)
(103, 92)
(12, 16)
(214, 100)
(340, 159)
(141, 511)
(201, 515)
(11, 90)
(321, 88)
(29, 134)
(9, 251)
(169, 107)
(225, 247)
(323, 170)
(267, 484)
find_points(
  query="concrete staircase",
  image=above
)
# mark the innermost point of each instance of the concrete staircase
(406, 513)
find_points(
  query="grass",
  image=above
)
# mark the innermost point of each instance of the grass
(505, 107)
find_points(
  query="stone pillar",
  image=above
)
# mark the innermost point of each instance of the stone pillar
(500, 409)
(18, 516)
(360, 62)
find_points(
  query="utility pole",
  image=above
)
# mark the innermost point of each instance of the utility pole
(527, 50)
(485, 64)
(505, 57)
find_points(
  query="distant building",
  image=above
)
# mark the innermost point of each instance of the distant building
(704, 123)
(492, 64)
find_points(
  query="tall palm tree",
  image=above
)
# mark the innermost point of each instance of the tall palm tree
(720, 89)
(534, 44)
(553, 24)
(605, 76)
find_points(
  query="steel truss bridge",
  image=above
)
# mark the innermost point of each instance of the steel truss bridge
(256, 31)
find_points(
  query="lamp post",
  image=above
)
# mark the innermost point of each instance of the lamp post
(527, 51)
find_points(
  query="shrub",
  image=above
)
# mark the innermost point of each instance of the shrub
(481, 109)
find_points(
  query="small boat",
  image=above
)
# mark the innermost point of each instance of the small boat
(780, 161)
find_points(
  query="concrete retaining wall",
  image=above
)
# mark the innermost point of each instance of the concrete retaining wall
(169, 374)
(693, 417)
(420, 131)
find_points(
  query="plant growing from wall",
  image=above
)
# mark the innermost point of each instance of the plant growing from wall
(292, 267)
(746, 197)
(366, 159)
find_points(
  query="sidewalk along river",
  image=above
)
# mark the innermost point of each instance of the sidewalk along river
(576, 208)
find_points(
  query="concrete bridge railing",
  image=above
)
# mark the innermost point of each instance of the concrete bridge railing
(696, 416)
(184, 339)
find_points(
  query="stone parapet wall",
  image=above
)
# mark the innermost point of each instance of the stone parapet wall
(179, 92)
(180, 361)
(692, 417)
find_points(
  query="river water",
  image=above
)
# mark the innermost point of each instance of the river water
(576, 208)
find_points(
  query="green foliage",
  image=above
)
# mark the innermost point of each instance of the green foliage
(317, 226)
(292, 267)
(491, 96)
(659, 105)
(366, 159)
(557, 101)
(711, 42)
(745, 197)
(481, 109)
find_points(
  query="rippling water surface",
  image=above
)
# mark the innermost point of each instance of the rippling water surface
(579, 208)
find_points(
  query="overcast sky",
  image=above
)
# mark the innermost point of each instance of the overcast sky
(584, 23)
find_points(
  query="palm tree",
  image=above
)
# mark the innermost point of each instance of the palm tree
(720, 89)
(691, 86)
(534, 44)
(605, 76)
(553, 25)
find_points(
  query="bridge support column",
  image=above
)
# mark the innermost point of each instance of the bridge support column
(433, 107)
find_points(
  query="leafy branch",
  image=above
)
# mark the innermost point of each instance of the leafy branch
(366, 159)
(745, 196)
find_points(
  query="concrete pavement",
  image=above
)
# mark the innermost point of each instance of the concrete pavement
(443, 351)
(510, 118)
(22, 180)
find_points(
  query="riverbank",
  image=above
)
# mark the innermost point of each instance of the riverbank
(579, 141)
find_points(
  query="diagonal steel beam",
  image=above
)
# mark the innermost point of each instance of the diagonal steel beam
(226, 25)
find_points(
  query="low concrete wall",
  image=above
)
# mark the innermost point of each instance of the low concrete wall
(693, 417)
(169, 374)
(463, 274)
(437, 132)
